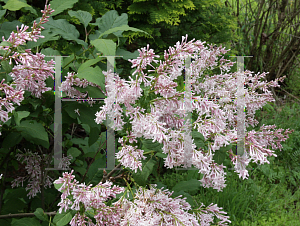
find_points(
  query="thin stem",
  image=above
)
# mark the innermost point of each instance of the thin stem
(110, 173)
(24, 215)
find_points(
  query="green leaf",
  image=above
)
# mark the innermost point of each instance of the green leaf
(13, 205)
(34, 132)
(88, 63)
(50, 52)
(150, 145)
(94, 175)
(192, 174)
(142, 176)
(2, 13)
(111, 19)
(161, 155)
(59, 6)
(5, 43)
(14, 5)
(4, 150)
(8, 27)
(80, 170)
(191, 185)
(93, 75)
(65, 29)
(21, 49)
(35, 103)
(39, 213)
(74, 152)
(57, 186)
(62, 219)
(123, 28)
(16, 192)
(25, 222)
(83, 16)
(18, 115)
(94, 135)
(219, 156)
(105, 46)
(197, 135)
(32, 10)
(127, 54)
(198, 139)
(6, 66)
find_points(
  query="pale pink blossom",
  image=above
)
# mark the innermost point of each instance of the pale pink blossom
(30, 70)
(33, 167)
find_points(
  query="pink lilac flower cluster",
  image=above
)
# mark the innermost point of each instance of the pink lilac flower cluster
(149, 206)
(64, 162)
(134, 154)
(77, 196)
(206, 216)
(214, 121)
(33, 166)
(30, 70)
(11, 96)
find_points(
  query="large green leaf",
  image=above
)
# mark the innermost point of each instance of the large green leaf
(88, 63)
(79, 169)
(11, 140)
(39, 213)
(50, 52)
(92, 74)
(13, 205)
(58, 186)
(105, 46)
(111, 19)
(94, 135)
(83, 16)
(2, 13)
(8, 27)
(18, 115)
(59, 6)
(74, 152)
(150, 145)
(5, 43)
(6, 66)
(65, 29)
(62, 219)
(220, 155)
(95, 175)
(198, 139)
(123, 28)
(34, 132)
(191, 185)
(127, 54)
(14, 5)
(142, 176)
